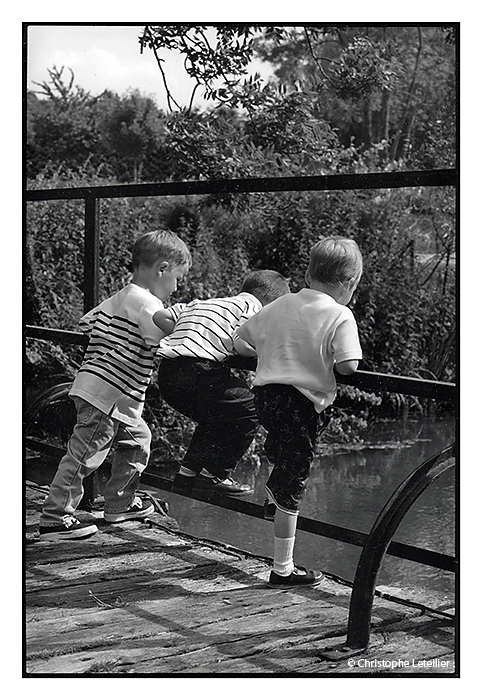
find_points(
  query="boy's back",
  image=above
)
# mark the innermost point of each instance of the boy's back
(204, 329)
(194, 379)
(118, 360)
(298, 338)
(109, 391)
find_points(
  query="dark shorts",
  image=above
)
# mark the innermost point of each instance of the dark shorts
(293, 426)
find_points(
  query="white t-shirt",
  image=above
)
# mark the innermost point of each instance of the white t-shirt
(298, 338)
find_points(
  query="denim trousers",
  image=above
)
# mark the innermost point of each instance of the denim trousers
(94, 434)
(219, 402)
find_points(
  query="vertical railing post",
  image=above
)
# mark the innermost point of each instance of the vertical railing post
(91, 253)
(91, 299)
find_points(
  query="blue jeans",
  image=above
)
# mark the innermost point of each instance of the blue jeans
(93, 436)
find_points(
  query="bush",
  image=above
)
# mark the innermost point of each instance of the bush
(405, 311)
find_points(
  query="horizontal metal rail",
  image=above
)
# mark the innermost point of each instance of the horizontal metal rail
(364, 181)
(367, 381)
(316, 527)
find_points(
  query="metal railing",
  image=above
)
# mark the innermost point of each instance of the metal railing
(379, 540)
(92, 196)
(377, 545)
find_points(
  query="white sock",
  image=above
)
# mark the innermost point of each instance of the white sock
(184, 471)
(283, 555)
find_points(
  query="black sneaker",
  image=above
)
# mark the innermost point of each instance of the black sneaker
(183, 483)
(269, 510)
(69, 529)
(228, 486)
(138, 510)
(298, 577)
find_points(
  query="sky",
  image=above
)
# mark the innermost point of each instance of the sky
(105, 57)
(102, 57)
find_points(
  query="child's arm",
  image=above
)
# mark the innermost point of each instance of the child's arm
(164, 320)
(151, 331)
(346, 345)
(243, 347)
(347, 367)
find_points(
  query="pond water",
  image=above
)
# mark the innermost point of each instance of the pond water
(348, 487)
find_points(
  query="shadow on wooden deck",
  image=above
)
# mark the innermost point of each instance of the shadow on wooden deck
(144, 599)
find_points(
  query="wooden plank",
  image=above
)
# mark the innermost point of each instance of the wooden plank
(139, 599)
(258, 643)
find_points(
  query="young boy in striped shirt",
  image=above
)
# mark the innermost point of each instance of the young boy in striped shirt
(109, 391)
(195, 380)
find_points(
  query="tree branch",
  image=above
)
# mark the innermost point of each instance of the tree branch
(317, 60)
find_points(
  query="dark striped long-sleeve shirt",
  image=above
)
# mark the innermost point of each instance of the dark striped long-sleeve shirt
(205, 329)
(119, 358)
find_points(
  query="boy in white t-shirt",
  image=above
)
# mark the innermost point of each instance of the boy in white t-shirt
(299, 340)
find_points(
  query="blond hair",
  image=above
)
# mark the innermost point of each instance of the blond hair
(335, 260)
(151, 247)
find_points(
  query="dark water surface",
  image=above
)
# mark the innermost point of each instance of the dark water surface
(348, 488)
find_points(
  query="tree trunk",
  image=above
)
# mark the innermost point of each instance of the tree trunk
(397, 145)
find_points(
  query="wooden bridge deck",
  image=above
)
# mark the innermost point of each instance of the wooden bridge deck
(143, 599)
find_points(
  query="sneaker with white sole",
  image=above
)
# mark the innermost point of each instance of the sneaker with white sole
(138, 510)
(298, 577)
(227, 486)
(69, 529)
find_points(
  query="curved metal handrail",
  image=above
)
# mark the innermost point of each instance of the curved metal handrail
(53, 393)
(375, 548)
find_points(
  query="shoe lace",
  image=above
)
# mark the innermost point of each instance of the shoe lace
(161, 507)
(136, 503)
(70, 520)
(233, 482)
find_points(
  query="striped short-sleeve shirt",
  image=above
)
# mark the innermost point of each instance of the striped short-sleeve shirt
(205, 329)
(119, 358)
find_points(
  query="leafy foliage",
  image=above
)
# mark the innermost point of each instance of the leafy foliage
(343, 99)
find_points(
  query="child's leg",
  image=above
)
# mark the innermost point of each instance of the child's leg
(227, 423)
(291, 422)
(87, 448)
(223, 408)
(179, 386)
(284, 541)
(130, 458)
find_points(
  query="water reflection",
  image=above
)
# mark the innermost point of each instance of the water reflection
(349, 488)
